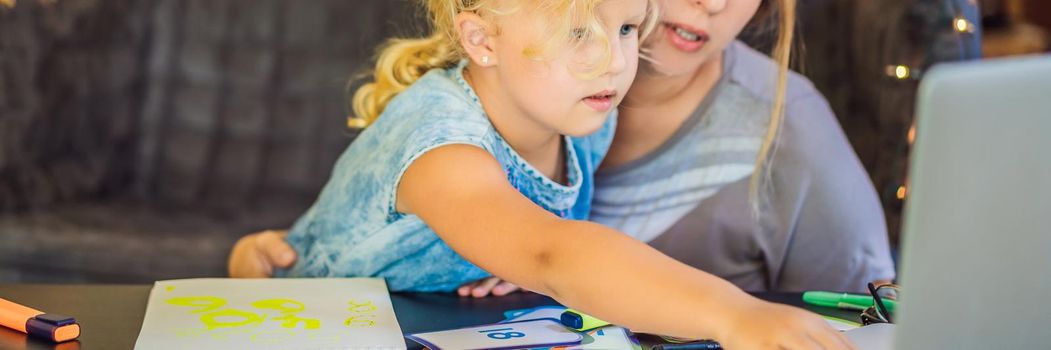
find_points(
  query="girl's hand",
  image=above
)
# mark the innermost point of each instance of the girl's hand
(258, 254)
(482, 288)
(765, 325)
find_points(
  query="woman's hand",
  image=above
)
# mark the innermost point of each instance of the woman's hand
(763, 325)
(483, 287)
(257, 255)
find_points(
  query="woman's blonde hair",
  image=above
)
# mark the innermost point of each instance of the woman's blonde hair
(782, 54)
(402, 61)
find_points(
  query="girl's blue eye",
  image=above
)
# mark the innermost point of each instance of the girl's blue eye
(626, 29)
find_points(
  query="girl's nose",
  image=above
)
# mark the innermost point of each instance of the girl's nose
(618, 62)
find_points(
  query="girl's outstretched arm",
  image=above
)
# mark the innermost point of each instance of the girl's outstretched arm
(462, 193)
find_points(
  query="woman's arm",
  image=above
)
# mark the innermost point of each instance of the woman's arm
(827, 205)
(461, 192)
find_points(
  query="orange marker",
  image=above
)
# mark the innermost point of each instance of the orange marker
(56, 328)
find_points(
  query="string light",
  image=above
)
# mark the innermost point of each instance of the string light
(9, 4)
(912, 134)
(902, 192)
(901, 72)
(962, 25)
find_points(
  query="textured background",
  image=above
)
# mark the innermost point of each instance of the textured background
(140, 138)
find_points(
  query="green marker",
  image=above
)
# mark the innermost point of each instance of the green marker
(580, 322)
(844, 300)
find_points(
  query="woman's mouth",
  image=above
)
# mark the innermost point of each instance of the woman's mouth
(601, 101)
(684, 38)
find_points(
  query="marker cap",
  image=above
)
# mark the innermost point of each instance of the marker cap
(57, 328)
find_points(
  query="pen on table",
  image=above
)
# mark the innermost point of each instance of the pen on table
(844, 300)
(56, 328)
(580, 322)
(697, 345)
(879, 303)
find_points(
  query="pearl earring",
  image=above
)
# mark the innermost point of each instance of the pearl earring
(485, 60)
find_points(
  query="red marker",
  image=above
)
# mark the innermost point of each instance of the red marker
(56, 328)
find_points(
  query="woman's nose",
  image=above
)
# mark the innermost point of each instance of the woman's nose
(712, 6)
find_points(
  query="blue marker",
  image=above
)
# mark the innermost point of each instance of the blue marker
(697, 345)
(580, 322)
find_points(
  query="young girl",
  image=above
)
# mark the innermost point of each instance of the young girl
(467, 172)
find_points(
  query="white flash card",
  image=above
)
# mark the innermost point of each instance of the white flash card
(552, 312)
(511, 335)
(606, 338)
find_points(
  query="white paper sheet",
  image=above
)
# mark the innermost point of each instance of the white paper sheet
(841, 324)
(287, 313)
(606, 338)
(879, 336)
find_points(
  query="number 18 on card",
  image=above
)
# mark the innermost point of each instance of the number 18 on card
(511, 335)
(508, 333)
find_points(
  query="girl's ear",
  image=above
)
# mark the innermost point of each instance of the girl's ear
(475, 40)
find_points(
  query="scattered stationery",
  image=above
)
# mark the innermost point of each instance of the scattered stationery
(286, 313)
(349, 313)
(580, 321)
(605, 338)
(844, 300)
(52, 327)
(695, 345)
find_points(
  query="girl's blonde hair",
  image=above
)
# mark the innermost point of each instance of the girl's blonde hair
(782, 54)
(402, 61)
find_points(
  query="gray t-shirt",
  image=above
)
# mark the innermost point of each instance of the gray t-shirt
(821, 225)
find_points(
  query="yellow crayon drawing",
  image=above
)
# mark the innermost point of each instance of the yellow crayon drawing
(361, 307)
(289, 308)
(214, 318)
(230, 318)
(203, 303)
(359, 321)
(364, 311)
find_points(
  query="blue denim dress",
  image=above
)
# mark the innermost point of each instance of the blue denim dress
(354, 230)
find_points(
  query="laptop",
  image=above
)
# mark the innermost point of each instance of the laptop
(976, 250)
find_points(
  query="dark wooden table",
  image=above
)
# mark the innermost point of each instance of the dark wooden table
(111, 315)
